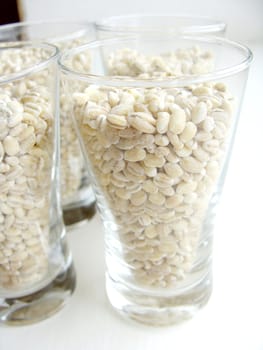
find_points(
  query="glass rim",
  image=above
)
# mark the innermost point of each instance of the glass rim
(6, 78)
(107, 24)
(85, 26)
(124, 81)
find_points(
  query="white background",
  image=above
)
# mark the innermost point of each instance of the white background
(233, 318)
(244, 17)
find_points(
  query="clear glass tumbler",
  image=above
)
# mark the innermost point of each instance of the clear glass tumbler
(124, 25)
(78, 200)
(156, 118)
(36, 271)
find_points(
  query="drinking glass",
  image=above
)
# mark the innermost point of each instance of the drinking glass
(78, 200)
(156, 116)
(36, 271)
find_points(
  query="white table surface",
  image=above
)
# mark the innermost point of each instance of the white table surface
(233, 318)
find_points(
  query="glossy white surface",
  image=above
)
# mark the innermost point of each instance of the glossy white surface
(232, 320)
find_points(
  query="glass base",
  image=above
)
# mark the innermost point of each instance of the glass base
(41, 304)
(80, 207)
(77, 215)
(155, 310)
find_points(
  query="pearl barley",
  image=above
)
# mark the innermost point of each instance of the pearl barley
(171, 143)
